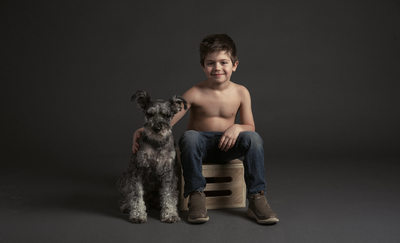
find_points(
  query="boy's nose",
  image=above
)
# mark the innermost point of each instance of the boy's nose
(217, 66)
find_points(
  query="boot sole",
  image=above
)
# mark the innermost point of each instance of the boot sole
(272, 220)
(198, 220)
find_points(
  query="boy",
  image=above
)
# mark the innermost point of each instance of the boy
(213, 135)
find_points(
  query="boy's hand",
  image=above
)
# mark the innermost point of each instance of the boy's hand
(229, 137)
(136, 135)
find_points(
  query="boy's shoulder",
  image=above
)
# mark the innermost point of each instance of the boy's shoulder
(195, 90)
(240, 87)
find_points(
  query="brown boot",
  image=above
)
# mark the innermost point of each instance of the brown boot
(260, 210)
(197, 208)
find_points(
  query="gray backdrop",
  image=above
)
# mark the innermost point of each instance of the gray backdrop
(324, 79)
(324, 76)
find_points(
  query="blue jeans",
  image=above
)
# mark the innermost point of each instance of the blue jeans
(197, 147)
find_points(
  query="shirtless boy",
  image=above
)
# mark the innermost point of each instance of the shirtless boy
(212, 134)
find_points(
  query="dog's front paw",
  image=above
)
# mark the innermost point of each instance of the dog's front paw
(138, 220)
(171, 219)
(138, 217)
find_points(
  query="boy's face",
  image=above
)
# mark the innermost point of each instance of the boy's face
(218, 66)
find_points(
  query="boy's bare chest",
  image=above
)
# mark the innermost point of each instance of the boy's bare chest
(222, 106)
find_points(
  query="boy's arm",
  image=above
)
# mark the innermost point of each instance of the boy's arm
(188, 95)
(230, 135)
(136, 136)
(245, 112)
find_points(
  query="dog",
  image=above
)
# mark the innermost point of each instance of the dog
(152, 175)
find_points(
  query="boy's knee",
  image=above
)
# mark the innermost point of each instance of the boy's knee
(250, 138)
(190, 139)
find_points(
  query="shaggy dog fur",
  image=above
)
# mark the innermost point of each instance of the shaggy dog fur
(151, 179)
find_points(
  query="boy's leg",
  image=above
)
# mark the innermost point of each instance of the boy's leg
(250, 145)
(193, 148)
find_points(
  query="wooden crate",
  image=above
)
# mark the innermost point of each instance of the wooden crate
(225, 186)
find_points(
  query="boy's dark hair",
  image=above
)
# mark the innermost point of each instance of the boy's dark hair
(217, 42)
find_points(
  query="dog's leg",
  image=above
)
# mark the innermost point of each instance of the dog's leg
(125, 188)
(169, 199)
(136, 203)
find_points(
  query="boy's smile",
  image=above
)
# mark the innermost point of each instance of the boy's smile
(218, 66)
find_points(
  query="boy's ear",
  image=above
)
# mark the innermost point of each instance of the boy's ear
(142, 98)
(176, 104)
(235, 65)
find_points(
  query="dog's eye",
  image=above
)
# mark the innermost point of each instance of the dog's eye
(150, 114)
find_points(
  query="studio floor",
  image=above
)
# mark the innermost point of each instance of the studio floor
(318, 200)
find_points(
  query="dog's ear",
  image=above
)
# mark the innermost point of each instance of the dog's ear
(176, 103)
(142, 98)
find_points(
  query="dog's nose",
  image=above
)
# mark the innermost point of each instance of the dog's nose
(157, 127)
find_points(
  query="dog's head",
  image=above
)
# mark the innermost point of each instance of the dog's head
(158, 113)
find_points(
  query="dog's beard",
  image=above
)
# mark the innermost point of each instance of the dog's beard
(157, 138)
(160, 129)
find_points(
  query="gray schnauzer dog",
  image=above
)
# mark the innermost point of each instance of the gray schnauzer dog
(152, 176)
